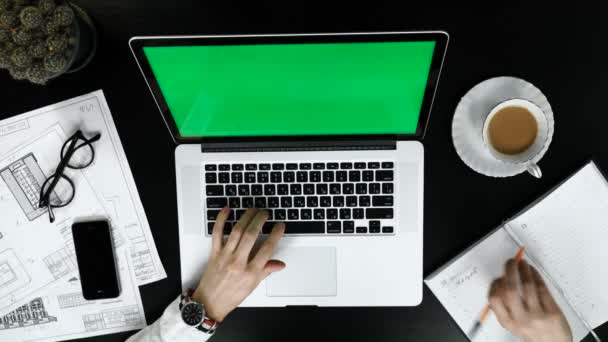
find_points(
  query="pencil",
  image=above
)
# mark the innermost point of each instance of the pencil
(486, 311)
(520, 255)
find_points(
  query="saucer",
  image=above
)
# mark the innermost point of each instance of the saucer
(470, 115)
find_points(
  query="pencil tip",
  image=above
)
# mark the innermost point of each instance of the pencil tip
(474, 330)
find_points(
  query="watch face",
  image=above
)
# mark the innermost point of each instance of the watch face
(192, 314)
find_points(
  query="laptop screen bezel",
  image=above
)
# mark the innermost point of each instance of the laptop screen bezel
(138, 44)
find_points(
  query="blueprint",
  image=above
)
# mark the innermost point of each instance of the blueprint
(31, 314)
(61, 313)
(35, 253)
(109, 178)
(40, 291)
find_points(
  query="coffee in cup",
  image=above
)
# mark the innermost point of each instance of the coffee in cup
(512, 130)
(515, 131)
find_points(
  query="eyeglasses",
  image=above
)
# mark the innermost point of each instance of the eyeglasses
(58, 190)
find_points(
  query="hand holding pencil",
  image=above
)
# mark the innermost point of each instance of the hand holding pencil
(523, 304)
(487, 310)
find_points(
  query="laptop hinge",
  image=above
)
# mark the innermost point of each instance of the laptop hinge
(267, 146)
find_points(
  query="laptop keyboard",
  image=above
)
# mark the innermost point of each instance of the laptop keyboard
(311, 198)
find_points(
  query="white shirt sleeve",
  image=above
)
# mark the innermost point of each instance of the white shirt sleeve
(170, 328)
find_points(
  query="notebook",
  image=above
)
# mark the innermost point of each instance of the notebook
(566, 238)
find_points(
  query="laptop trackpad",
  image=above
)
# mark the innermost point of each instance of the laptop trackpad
(310, 272)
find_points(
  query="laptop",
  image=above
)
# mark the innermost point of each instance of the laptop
(323, 131)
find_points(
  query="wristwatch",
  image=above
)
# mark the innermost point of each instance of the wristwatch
(194, 315)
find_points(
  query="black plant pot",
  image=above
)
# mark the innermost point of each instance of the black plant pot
(85, 41)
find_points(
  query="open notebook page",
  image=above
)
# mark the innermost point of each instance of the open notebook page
(462, 287)
(567, 234)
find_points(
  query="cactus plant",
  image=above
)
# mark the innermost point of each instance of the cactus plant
(30, 17)
(8, 19)
(9, 46)
(5, 60)
(18, 73)
(63, 15)
(21, 58)
(37, 38)
(5, 5)
(55, 63)
(46, 6)
(57, 43)
(5, 35)
(36, 73)
(22, 37)
(50, 28)
(38, 49)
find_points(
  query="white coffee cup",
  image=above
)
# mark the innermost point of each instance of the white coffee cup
(528, 156)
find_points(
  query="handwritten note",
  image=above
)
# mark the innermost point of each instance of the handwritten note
(462, 287)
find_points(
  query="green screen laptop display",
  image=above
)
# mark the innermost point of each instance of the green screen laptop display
(293, 89)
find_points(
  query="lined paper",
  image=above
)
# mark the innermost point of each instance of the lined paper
(462, 287)
(567, 232)
(566, 236)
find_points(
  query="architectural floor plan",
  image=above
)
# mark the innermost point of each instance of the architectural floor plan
(40, 291)
(27, 315)
(109, 177)
(61, 313)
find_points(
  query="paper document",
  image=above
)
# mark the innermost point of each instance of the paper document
(564, 234)
(110, 177)
(34, 253)
(61, 313)
(462, 287)
(40, 291)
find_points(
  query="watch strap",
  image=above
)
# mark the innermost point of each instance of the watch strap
(207, 325)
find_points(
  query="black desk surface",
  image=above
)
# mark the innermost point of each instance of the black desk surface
(562, 52)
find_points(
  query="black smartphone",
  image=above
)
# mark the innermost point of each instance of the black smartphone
(96, 263)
